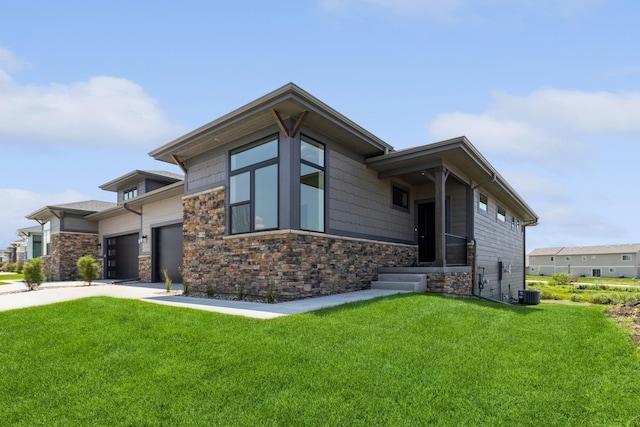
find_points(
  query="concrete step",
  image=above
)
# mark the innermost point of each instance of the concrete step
(399, 286)
(404, 282)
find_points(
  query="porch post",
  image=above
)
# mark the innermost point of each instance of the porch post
(441, 242)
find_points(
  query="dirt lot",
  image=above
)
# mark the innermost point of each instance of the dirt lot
(628, 314)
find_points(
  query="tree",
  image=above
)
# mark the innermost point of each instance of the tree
(33, 273)
(88, 268)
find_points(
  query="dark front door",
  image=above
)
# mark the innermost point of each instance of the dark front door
(427, 232)
(122, 257)
(168, 245)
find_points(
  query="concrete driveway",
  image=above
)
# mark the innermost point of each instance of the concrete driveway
(15, 296)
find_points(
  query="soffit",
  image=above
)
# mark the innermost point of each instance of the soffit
(290, 102)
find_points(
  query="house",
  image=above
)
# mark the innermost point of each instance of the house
(15, 252)
(287, 198)
(67, 235)
(33, 239)
(587, 261)
(124, 236)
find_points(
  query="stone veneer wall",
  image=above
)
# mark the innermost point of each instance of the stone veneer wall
(283, 265)
(144, 268)
(65, 249)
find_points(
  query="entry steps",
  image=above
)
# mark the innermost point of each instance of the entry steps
(412, 282)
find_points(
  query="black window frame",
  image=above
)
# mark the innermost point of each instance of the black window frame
(395, 187)
(251, 169)
(323, 169)
(130, 193)
(484, 203)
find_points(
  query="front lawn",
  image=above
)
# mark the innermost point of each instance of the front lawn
(5, 277)
(404, 360)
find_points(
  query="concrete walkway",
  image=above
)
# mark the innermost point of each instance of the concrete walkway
(15, 296)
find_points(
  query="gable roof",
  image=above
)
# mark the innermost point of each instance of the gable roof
(137, 175)
(83, 208)
(287, 102)
(588, 250)
(460, 157)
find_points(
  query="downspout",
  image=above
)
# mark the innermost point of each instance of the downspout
(124, 205)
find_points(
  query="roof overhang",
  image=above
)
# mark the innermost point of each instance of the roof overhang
(133, 177)
(459, 156)
(131, 205)
(287, 102)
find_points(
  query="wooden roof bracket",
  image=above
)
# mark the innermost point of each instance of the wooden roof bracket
(298, 124)
(179, 163)
(280, 123)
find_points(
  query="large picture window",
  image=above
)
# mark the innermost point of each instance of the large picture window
(312, 177)
(253, 187)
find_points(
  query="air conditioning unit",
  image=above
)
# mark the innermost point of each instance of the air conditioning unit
(529, 297)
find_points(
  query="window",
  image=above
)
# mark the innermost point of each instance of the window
(46, 238)
(130, 194)
(312, 173)
(626, 257)
(595, 272)
(551, 259)
(399, 197)
(567, 258)
(501, 214)
(584, 258)
(253, 187)
(612, 270)
(483, 203)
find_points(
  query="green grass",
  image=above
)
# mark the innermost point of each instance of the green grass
(404, 360)
(593, 280)
(10, 276)
(596, 294)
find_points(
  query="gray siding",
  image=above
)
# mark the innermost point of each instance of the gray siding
(206, 171)
(610, 265)
(498, 241)
(456, 194)
(72, 222)
(360, 203)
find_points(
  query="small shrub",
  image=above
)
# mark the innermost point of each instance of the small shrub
(167, 279)
(560, 279)
(33, 273)
(88, 268)
(240, 289)
(547, 294)
(270, 291)
(604, 298)
(211, 290)
(577, 298)
(185, 282)
(19, 267)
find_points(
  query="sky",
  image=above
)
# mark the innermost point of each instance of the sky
(547, 90)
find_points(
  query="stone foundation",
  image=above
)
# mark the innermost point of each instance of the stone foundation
(450, 281)
(65, 249)
(144, 268)
(279, 265)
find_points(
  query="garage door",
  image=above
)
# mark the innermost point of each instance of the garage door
(122, 257)
(168, 245)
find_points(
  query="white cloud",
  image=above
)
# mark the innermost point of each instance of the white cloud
(16, 204)
(450, 10)
(102, 110)
(545, 123)
(8, 61)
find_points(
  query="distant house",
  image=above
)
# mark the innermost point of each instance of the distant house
(33, 239)
(124, 236)
(589, 261)
(286, 196)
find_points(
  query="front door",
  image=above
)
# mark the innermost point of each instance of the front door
(427, 232)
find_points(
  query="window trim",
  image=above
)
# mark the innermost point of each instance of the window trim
(626, 257)
(251, 169)
(395, 186)
(484, 203)
(130, 193)
(501, 214)
(323, 169)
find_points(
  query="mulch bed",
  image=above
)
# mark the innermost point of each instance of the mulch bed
(628, 315)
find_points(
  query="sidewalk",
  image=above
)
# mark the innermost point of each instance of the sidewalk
(15, 296)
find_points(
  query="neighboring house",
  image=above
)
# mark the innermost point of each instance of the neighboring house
(33, 240)
(123, 236)
(15, 252)
(67, 235)
(587, 261)
(285, 197)
(142, 235)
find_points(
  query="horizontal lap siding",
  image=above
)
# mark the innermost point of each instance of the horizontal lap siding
(361, 203)
(498, 241)
(160, 213)
(126, 223)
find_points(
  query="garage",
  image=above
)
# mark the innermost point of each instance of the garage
(168, 252)
(122, 257)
